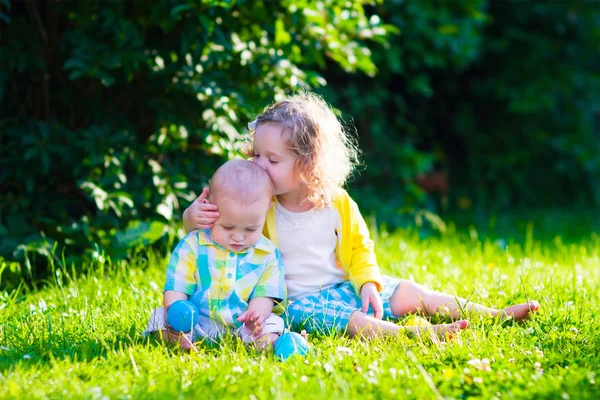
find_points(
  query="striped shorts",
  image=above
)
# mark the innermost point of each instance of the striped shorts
(330, 309)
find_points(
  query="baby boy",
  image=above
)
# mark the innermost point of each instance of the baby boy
(231, 272)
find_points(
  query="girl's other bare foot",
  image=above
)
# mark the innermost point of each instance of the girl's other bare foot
(455, 328)
(520, 312)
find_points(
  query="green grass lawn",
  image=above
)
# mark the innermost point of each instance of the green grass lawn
(81, 337)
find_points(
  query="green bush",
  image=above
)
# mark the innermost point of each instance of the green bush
(114, 114)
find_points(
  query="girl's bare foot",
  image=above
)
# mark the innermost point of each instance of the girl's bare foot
(440, 331)
(519, 312)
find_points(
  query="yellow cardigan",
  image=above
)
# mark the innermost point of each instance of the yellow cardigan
(354, 250)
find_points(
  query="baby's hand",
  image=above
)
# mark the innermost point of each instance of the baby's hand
(253, 321)
(370, 295)
(200, 214)
(181, 339)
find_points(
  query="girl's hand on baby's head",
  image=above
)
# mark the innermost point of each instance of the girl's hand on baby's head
(201, 213)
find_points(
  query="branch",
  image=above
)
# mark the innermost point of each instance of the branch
(35, 16)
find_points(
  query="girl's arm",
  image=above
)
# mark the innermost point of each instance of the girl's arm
(200, 214)
(363, 266)
(363, 270)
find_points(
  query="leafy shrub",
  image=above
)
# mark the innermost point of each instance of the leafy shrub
(114, 114)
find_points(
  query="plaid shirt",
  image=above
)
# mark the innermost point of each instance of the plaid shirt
(222, 282)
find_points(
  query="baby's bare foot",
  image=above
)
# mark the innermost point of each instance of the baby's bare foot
(186, 344)
(266, 342)
(520, 312)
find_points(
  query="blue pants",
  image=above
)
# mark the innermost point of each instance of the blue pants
(330, 309)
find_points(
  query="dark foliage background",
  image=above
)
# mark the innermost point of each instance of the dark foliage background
(114, 113)
(502, 98)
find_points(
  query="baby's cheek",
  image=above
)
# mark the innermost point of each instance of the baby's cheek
(256, 236)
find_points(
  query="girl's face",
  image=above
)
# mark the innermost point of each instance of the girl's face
(271, 153)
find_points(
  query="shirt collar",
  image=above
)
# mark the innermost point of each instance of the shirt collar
(265, 245)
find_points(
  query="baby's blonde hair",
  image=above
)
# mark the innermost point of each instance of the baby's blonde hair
(326, 154)
(240, 180)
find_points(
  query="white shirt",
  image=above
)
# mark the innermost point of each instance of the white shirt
(307, 243)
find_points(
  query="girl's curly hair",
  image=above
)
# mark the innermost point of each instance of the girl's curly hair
(326, 153)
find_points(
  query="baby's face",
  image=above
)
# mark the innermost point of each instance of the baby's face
(240, 225)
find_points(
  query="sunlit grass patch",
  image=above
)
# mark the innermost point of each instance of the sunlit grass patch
(80, 337)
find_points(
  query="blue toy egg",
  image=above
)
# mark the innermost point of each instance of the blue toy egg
(182, 316)
(290, 343)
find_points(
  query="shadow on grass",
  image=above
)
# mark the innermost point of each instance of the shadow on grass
(38, 354)
(77, 349)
